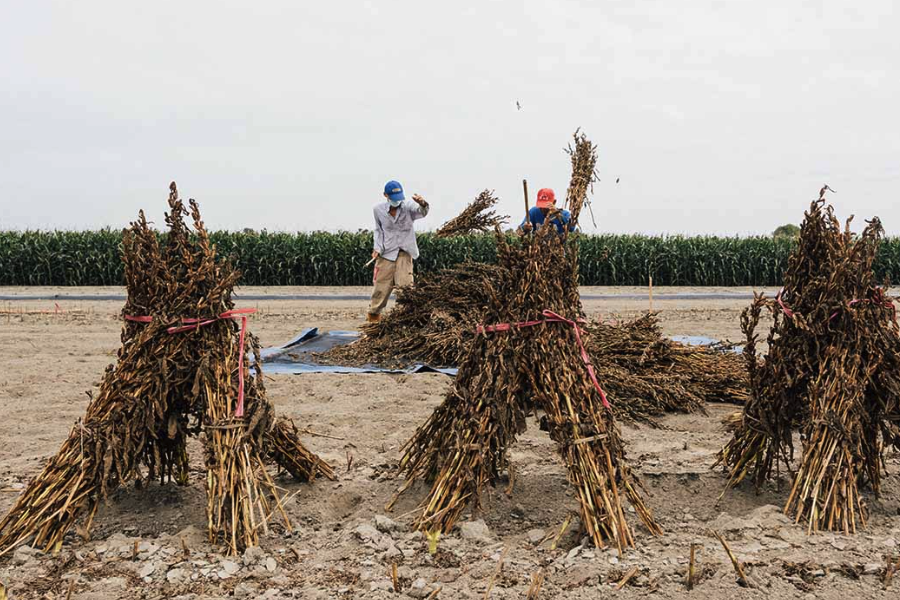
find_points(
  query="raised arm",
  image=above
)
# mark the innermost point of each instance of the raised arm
(525, 226)
(419, 207)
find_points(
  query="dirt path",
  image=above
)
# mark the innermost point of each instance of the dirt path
(339, 549)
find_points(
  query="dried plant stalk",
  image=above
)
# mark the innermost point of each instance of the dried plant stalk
(534, 298)
(647, 374)
(283, 443)
(832, 371)
(170, 382)
(476, 217)
(432, 321)
(584, 173)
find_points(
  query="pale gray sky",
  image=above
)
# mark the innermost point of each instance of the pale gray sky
(719, 117)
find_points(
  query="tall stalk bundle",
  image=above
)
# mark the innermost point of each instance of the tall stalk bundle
(178, 373)
(534, 356)
(832, 370)
(476, 217)
(584, 173)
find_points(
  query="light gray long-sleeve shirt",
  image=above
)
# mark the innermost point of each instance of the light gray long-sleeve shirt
(393, 234)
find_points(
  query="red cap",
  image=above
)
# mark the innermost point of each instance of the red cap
(545, 198)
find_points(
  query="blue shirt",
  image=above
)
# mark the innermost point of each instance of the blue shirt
(537, 218)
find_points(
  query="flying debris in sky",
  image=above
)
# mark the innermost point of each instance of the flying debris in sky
(617, 180)
(518, 106)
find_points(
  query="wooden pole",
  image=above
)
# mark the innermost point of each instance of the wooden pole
(525, 188)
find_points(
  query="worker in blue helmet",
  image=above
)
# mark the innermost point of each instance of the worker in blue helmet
(394, 244)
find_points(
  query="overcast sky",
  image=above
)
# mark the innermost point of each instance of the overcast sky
(718, 117)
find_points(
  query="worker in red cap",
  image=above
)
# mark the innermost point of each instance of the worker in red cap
(546, 201)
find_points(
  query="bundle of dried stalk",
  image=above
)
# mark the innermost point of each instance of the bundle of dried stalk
(832, 370)
(584, 160)
(537, 359)
(648, 375)
(283, 444)
(474, 218)
(433, 321)
(166, 385)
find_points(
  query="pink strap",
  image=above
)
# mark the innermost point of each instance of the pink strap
(787, 312)
(552, 317)
(239, 409)
(506, 326)
(190, 324)
(879, 300)
(375, 276)
(138, 319)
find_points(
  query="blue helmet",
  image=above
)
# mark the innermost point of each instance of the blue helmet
(394, 192)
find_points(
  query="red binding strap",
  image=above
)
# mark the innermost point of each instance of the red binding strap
(552, 317)
(787, 311)
(507, 326)
(138, 319)
(191, 324)
(878, 299)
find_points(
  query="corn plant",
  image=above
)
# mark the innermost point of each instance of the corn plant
(68, 258)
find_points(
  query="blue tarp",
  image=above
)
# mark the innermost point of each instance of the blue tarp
(701, 340)
(297, 355)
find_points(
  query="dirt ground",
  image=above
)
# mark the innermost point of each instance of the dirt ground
(344, 542)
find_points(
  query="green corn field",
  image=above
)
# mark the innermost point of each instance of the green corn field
(68, 258)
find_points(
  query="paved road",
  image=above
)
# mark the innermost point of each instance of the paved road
(356, 297)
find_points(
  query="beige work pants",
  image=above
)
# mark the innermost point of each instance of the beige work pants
(389, 274)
